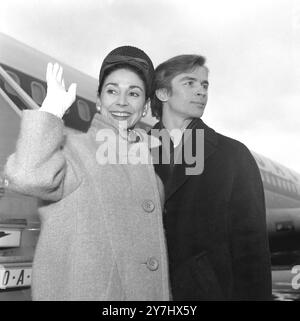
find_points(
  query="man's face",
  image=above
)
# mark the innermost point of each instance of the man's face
(189, 94)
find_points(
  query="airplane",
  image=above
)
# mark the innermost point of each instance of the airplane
(23, 86)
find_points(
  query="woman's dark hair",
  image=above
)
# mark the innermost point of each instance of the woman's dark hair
(166, 71)
(127, 67)
(131, 58)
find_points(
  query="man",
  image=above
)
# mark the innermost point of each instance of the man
(215, 219)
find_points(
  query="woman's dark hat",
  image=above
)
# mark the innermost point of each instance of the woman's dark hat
(128, 55)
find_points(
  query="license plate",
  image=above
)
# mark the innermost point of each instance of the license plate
(15, 277)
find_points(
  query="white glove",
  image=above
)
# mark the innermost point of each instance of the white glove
(57, 100)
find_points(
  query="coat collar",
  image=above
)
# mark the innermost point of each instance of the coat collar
(178, 176)
(100, 122)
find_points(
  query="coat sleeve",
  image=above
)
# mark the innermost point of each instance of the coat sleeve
(40, 166)
(249, 239)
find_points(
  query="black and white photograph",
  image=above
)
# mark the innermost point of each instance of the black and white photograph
(149, 151)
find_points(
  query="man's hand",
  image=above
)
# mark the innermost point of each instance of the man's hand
(57, 100)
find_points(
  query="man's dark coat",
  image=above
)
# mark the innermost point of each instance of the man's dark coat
(215, 223)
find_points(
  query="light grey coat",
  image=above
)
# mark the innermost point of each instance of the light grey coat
(102, 235)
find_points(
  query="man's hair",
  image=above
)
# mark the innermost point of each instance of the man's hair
(166, 71)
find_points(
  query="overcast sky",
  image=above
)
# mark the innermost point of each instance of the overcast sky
(252, 50)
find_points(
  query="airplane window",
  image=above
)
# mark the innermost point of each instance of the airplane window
(294, 189)
(285, 185)
(83, 110)
(273, 180)
(290, 186)
(280, 181)
(16, 78)
(38, 92)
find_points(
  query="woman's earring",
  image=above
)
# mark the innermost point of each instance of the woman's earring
(144, 113)
(98, 108)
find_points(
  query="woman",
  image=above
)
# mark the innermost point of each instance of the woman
(101, 224)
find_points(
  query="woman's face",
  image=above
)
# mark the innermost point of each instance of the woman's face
(122, 98)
